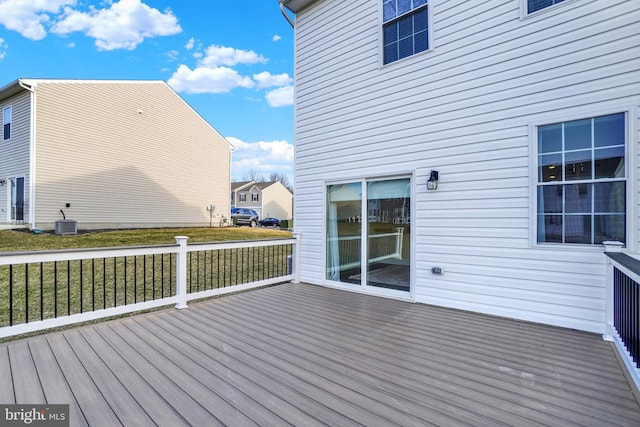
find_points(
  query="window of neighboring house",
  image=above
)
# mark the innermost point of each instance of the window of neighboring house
(242, 197)
(405, 28)
(581, 188)
(255, 197)
(6, 121)
(536, 5)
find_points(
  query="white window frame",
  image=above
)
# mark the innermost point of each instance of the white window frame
(389, 293)
(381, 23)
(242, 197)
(552, 118)
(524, 7)
(255, 197)
(9, 122)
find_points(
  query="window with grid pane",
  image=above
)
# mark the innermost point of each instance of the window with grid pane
(581, 181)
(535, 5)
(405, 28)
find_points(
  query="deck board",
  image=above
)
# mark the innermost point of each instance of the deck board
(6, 383)
(54, 385)
(297, 354)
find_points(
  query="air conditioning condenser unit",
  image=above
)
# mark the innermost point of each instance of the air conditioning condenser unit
(66, 226)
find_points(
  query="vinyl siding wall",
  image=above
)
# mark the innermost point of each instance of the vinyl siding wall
(14, 153)
(120, 168)
(466, 108)
(277, 202)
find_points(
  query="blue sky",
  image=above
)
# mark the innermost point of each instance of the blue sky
(232, 61)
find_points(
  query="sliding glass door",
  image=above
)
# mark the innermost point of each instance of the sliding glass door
(378, 213)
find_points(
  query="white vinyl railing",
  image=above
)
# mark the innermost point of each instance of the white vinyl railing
(382, 246)
(48, 289)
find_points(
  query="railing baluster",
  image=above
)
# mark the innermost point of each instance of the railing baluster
(93, 284)
(41, 291)
(26, 293)
(68, 288)
(135, 279)
(81, 282)
(55, 289)
(11, 295)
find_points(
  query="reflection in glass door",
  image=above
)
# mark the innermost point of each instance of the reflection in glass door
(378, 213)
(389, 234)
(344, 231)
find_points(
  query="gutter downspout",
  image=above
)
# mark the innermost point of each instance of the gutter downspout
(32, 155)
(286, 15)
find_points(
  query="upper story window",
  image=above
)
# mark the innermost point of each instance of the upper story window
(536, 5)
(6, 121)
(255, 197)
(242, 197)
(581, 181)
(405, 28)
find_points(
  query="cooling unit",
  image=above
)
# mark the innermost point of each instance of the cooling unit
(66, 226)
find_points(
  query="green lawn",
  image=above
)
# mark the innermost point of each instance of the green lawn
(45, 290)
(12, 240)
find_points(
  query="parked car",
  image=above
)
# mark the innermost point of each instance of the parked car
(270, 222)
(244, 216)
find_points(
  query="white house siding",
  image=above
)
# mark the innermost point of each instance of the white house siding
(126, 154)
(466, 108)
(14, 153)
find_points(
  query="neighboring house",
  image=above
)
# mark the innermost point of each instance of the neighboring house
(109, 154)
(529, 112)
(268, 199)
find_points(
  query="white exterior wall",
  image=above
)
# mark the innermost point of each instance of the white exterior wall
(467, 108)
(15, 152)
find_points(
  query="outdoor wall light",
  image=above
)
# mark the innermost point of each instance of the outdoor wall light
(3, 182)
(432, 182)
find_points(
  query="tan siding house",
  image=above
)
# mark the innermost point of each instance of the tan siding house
(112, 154)
(268, 199)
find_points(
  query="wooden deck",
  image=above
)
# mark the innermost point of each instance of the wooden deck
(307, 355)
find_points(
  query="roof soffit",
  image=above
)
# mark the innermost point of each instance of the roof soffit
(297, 5)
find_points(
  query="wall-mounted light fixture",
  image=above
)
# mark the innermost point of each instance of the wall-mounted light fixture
(432, 182)
(2, 182)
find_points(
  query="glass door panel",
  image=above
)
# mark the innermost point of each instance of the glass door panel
(389, 233)
(344, 232)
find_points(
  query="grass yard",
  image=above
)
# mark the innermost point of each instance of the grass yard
(15, 241)
(44, 290)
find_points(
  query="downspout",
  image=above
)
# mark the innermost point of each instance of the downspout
(32, 155)
(286, 15)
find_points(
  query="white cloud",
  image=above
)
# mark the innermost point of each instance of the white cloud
(28, 17)
(190, 44)
(173, 55)
(207, 80)
(281, 97)
(213, 73)
(266, 79)
(124, 25)
(276, 38)
(215, 56)
(264, 157)
(3, 47)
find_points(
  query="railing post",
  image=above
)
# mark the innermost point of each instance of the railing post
(609, 330)
(399, 242)
(296, 258)
(181, 272)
